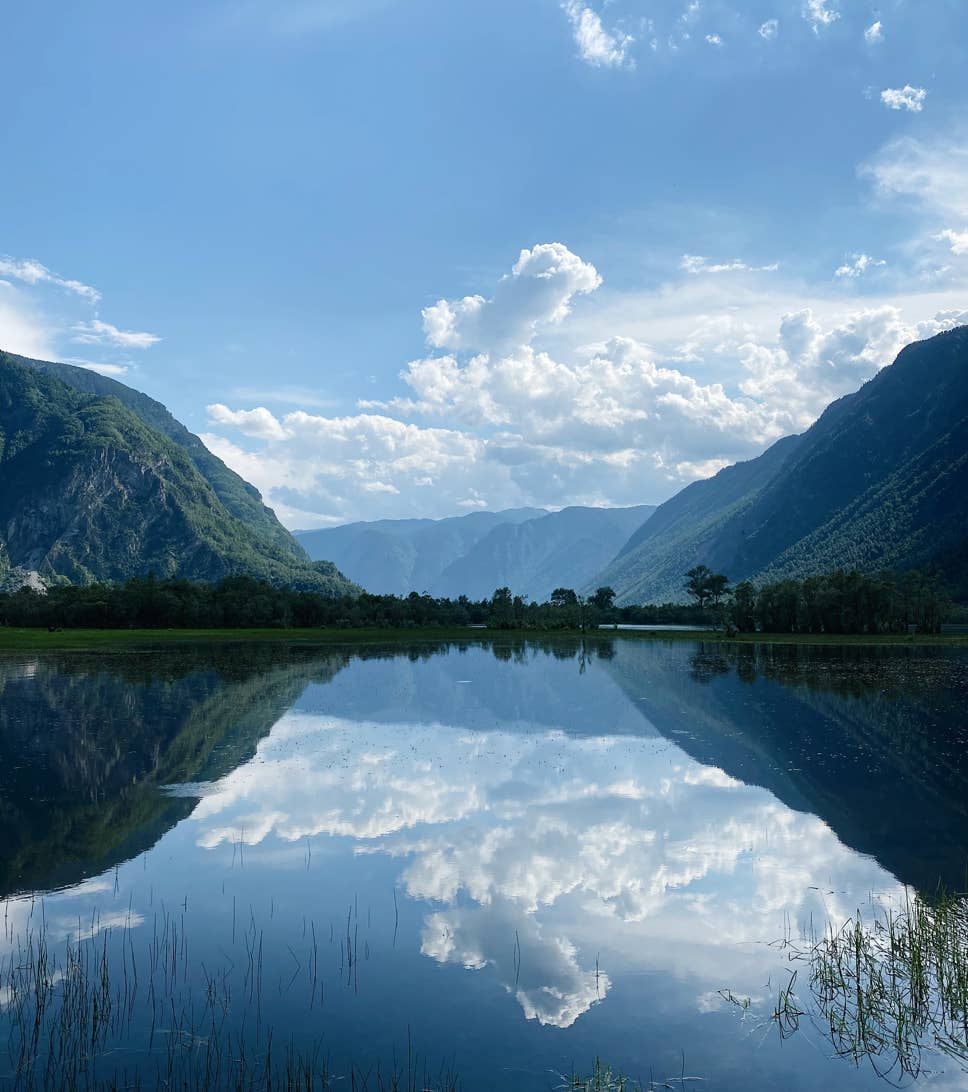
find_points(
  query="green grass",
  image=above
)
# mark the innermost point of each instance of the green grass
(34, 640)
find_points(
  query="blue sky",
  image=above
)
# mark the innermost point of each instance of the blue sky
(414, 258)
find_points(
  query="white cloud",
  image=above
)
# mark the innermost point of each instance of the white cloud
(932, 173)
(258, 422)
(874, 33)
(933, 176)
(819, 15)
(958, 240)
(96, 332)
(770, 29)
(114, 371)
(32, 272)
(494, 420)
(857, 265)
(538, 291)
(714, 39)
(696, 264)
(904, 98)
(596, 45)
(328, 467)
(810, 365)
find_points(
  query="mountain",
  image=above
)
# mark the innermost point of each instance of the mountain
(526, 549)
(398, 556)
(562, 549)
(99, 482)
(880, 480)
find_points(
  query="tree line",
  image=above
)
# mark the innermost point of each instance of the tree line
(836, 603)
(241, 602)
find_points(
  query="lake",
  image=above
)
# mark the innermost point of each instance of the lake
(488, 863)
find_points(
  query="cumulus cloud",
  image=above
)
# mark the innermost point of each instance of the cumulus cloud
(596, 45)
(326, 466)
(714, 39)
(96, 332)
(493, 420)
(904, 98)
(857, 265)
(32, 272)
(696, 264)
(819, 15)
(874, 33)
(957, 240)
(538, 291)
(812, 365)
(616, 392)
(770, 29)
(258, 422)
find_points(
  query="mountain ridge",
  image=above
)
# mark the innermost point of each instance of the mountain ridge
(532, 551)
(90, 491)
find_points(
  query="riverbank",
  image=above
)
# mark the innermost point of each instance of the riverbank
(36, 640)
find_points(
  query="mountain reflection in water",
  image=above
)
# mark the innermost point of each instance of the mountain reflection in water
(605, 835)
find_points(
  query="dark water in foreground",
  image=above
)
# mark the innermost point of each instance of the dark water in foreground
(507, 857)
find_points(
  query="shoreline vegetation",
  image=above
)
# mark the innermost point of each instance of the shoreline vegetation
(14, 639)
(830, 608)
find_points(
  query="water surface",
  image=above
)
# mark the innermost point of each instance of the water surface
(508, 856)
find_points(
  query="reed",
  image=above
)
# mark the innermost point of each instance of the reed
(95, 1013)
(888, 985)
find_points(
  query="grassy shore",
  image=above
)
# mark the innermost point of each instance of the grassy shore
(35, 640)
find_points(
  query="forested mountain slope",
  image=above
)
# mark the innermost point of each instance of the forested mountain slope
(90, 491)
(879, 480)
(240, 498)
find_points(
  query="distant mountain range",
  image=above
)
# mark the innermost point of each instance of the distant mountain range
(880, 480)
(100, 482)
(528, 550)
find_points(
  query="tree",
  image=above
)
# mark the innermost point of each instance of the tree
(716, 586)
(697, 584)
(502, 608)
(564, 597)
(603, 599)
(744, 607)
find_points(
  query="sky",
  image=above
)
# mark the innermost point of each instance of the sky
(396, 258)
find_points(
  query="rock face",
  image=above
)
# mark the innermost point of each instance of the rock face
(98, 482)
(881, 480)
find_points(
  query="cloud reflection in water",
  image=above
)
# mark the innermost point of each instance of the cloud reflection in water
(535, 850)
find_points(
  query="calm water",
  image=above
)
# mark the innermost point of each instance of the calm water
(508, 858)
